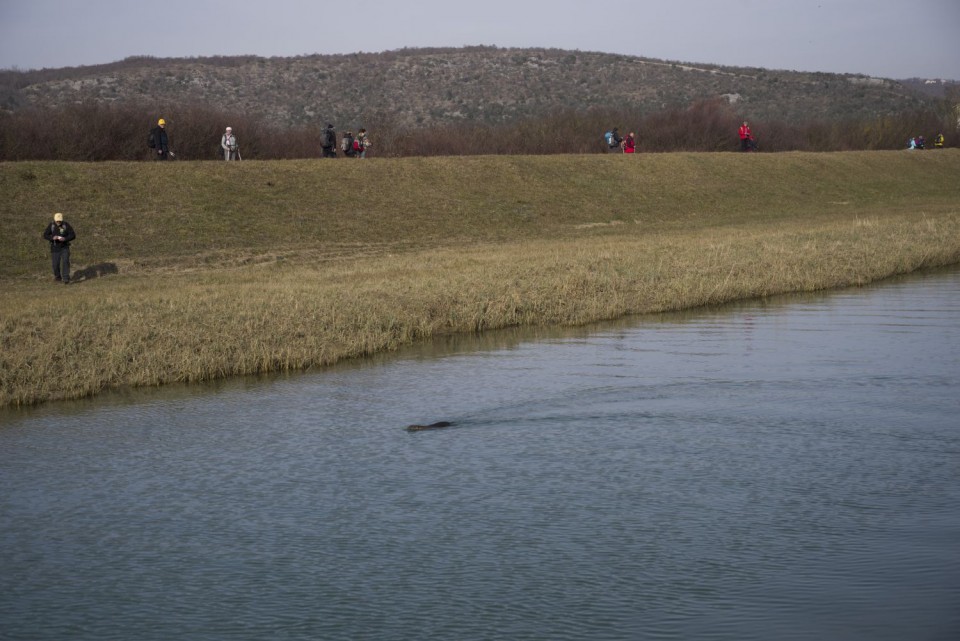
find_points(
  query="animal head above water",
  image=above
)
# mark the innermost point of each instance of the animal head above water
(433, 426)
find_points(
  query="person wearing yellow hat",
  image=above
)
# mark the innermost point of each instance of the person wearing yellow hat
(159, 142)
(59, 233)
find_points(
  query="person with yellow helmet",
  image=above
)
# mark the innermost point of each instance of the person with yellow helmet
(159, 142)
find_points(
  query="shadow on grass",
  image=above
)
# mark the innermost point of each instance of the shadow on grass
(95, 271)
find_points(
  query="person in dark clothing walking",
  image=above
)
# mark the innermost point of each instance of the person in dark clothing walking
(328, 142)
(160, 143)
(346, 145)
(60, 234)
(614, 142)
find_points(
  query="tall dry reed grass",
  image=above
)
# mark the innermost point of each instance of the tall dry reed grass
(135, 331)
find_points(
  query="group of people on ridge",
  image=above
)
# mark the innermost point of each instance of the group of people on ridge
(159, 141)
(351, 146)
(920, 142)
(616, 144)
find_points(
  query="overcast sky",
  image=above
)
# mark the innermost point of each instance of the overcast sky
(889, 38)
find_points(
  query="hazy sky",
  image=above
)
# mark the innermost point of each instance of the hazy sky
(890, 38)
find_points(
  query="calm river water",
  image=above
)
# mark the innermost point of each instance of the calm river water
(786, 469)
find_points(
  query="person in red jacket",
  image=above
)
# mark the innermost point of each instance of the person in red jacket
(746, 137)
(630, 143)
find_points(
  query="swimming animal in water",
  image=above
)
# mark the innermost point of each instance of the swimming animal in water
(439, 425)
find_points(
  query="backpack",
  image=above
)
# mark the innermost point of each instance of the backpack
(346, 145)
(152, 140)
(326, 141)
(609, 138)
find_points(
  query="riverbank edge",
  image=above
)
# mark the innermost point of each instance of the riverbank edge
(203, 327)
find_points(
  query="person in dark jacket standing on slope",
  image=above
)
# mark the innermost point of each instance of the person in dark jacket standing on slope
(60, 234)
(328, 142)
(160, 141)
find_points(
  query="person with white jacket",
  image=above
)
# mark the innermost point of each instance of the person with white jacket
(228, 142)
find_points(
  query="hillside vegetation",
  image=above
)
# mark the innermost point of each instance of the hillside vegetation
(467, 101)
(414, 88)
(194, 271)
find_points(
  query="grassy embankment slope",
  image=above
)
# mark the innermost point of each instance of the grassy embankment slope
(224, 269)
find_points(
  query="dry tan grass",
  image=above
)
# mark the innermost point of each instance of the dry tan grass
(200, 325)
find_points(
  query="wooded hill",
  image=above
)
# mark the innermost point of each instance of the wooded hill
(435, 87)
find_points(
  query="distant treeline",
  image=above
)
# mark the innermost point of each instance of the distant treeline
(97, 132)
